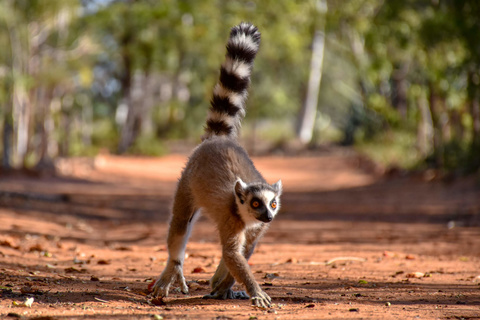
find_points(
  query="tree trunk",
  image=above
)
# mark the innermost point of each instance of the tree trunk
(7, 140)
(475, 111)
(7, 136)
(20, 106)
(48, 148)
(86, 121)
(21, 116)
(307, 117)
(66, 124)
(66, 128)
(126, 82)
(425, 127)
(399, 96)
(456, 127)
(474, 95)
(473, 89)
(435, 111)
(306, 123)
(132, 125)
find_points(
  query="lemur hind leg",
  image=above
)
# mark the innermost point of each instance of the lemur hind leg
(183, 219)
(222, 281)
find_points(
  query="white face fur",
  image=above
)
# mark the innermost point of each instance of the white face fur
(257, 202)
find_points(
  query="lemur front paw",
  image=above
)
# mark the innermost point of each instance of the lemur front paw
(161, 288)
(226, 294)
(261, 300)
(162, 285)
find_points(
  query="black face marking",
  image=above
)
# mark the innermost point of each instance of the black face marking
(273, 204)
(257, 204)
(265, 217)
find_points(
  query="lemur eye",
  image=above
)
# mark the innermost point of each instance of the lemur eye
(273, 204)
(255, 204)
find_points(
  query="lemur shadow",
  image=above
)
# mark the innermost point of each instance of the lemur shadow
(100, 291)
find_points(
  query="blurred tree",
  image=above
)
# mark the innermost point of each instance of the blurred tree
(125, 74)
(412, 60)
(31, 26)
(181, 43)
(308, 114)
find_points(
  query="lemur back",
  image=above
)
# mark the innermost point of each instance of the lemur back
(221, 181)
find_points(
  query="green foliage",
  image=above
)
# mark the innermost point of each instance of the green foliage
(391, 69)
(407, 55)
(148, 145)
(104, 135)
(392, 148)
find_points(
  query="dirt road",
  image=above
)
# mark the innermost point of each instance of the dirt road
(347, 244)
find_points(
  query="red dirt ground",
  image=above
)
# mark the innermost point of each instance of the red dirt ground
(347, 243)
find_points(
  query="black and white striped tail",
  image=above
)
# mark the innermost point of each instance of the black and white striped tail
(230, 94)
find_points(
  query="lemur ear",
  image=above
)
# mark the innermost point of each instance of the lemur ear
(239, 190)
(278, 187)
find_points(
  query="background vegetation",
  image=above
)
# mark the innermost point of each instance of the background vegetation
(399, 79)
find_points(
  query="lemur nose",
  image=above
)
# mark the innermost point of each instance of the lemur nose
(266, 217)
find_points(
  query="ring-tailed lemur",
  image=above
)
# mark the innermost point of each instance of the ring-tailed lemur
(221, 181)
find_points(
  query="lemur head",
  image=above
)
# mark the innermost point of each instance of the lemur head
(257, 201)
